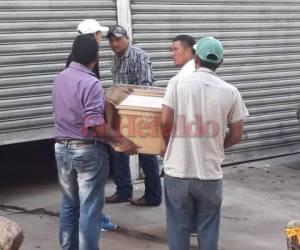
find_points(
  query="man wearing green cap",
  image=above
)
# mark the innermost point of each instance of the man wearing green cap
(198, 107)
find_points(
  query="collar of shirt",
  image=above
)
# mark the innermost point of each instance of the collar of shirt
(189, 66)
(127, 52)
(80, 67)
(206, 70)
(118, 60)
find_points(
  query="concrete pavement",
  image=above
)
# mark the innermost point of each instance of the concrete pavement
(260, 198)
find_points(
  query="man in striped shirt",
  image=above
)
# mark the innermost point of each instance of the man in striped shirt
(132, 66)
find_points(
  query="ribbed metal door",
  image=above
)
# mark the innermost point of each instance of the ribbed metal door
(262, 58)
(35, 40)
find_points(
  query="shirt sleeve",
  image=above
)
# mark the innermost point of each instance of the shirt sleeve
(93, 105)
(143, 70)
(238, 110)
(170, 95)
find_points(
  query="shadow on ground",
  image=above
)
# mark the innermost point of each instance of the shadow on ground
(27, 163)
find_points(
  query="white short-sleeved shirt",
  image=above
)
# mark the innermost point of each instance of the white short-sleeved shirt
(203, 106)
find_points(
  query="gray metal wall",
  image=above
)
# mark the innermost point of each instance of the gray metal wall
(262, 58)
(35, 40)
(262, 52)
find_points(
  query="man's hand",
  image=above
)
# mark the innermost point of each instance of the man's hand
(107, 133)
(163, 152)
(127, 146)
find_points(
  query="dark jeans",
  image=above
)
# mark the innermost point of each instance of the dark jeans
(122, 176)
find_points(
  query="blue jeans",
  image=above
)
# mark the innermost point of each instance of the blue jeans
(82, 172)
(190, 204)
(122, 176)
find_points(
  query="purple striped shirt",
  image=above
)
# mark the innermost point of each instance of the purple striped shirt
(78, 102)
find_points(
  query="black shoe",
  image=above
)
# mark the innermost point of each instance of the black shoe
(142, 202)
(115, 198)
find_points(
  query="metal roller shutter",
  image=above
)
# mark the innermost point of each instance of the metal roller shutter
(35, 40)
(262, 55)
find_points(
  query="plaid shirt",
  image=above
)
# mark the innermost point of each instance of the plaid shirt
(133, 68)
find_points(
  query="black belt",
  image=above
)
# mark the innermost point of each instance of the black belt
(76, 141)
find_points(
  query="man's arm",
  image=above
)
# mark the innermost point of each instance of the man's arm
(143, 70)
(105, 132)
(235, 134)
(166, 123)
(94, 122)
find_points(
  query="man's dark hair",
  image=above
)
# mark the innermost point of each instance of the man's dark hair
(209, 65)
(96, 67)
(85, 49)
(186, 40)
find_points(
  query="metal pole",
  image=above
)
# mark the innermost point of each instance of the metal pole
(124, 15)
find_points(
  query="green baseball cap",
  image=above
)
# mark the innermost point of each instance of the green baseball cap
(209, 49)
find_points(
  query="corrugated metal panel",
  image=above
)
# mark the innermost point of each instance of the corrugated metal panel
(35, 40)
(262, 52)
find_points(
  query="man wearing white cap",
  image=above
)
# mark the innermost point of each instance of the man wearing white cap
(91, 27)
(198, 107)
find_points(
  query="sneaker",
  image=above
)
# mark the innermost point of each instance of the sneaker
(107, 225)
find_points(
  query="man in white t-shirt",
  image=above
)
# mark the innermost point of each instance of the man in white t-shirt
(183, 53)
(198, 107)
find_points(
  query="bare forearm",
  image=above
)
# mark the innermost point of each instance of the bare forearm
(230, 140)
(166, 140)
(234, 135)
(166, 123)
(107, 133)
(166, 130)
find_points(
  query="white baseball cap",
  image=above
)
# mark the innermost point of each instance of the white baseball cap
(91, 26)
